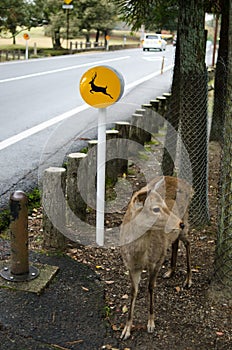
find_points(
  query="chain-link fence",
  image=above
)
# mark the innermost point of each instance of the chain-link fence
(189, 118)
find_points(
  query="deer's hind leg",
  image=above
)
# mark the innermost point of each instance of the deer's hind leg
(135, 276)
(188, 280)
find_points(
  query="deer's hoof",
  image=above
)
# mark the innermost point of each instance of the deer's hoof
(150, 326)
(125, 333)
(170, 273)
(187, 283)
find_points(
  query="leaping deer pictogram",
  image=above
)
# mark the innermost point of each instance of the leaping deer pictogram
(95, 88)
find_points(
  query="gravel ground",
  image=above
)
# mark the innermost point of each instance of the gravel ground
(186, 319)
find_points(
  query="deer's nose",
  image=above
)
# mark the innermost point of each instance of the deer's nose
(182, 225)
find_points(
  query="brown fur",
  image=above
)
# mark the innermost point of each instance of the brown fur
(153, 221)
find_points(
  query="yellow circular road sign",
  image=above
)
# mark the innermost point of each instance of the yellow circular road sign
(26, 36)
(101, 86)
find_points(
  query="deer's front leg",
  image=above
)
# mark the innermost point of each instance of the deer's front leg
(153, 272)
(135, 278)
(172, 269)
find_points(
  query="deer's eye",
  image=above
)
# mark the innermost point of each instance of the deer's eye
(156, 210)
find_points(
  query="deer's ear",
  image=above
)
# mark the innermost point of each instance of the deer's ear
(158, 184)
(140, 197)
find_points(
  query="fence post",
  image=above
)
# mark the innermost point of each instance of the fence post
(54, 208)
(148, 120)
(162, 105)
(137, 132)
(35, 49)
(74, 181)
(123, 134)
(112, 166)
(92, 173)
(19, 271)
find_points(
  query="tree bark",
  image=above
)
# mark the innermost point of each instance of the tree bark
(173, 117)
(216, 133)
(223, 262)
(193, 105)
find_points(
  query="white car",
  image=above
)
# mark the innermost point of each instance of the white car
(154, 41)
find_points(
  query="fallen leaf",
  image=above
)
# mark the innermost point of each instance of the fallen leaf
(125, 296)
(114, 327)
(124, 309)
(219, 334)
(85, 289)
(109, 282)
(178, 289)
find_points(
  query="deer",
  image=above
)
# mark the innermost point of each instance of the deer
(156, 217)
(95, 88)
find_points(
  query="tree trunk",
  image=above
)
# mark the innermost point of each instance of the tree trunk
(216, 133)
(97, 35)
(173, 117)
(56, 40)
(223, 261)
(193, 105)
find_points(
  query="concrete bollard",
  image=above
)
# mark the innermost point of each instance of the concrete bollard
(19, 270)
(148, 120)
(163, 105)
(54, 209)
(112, 166)
(137, 132)
(123, 139)
(74, 185)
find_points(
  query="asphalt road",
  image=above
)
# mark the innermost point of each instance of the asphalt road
(42, 114)
(42, 111)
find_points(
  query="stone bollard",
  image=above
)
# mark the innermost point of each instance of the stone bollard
(148, 120)
(92, 173)
(162, 105)
(112, 165)
(54, 208)
(137, 128)
(75, 183)
(123, 139)
(19, 271)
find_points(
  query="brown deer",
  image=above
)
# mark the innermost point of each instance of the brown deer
(156, 217)
(95, 88)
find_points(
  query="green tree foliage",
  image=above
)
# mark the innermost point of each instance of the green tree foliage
(14, 13)
(95, 15)
(153, 14)
(86, 15)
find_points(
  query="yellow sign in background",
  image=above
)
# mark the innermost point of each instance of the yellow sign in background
(101, 86)
(26, 36)
(67, 2)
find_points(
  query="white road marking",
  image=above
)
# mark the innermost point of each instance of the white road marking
(62, 69)
(34, 130)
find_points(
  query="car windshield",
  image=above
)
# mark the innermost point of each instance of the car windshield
(152, 37)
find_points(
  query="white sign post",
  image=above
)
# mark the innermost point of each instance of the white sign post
(101, 165)
(100, 87)
(26, 37)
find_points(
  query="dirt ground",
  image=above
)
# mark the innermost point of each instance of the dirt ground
(186, 319)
